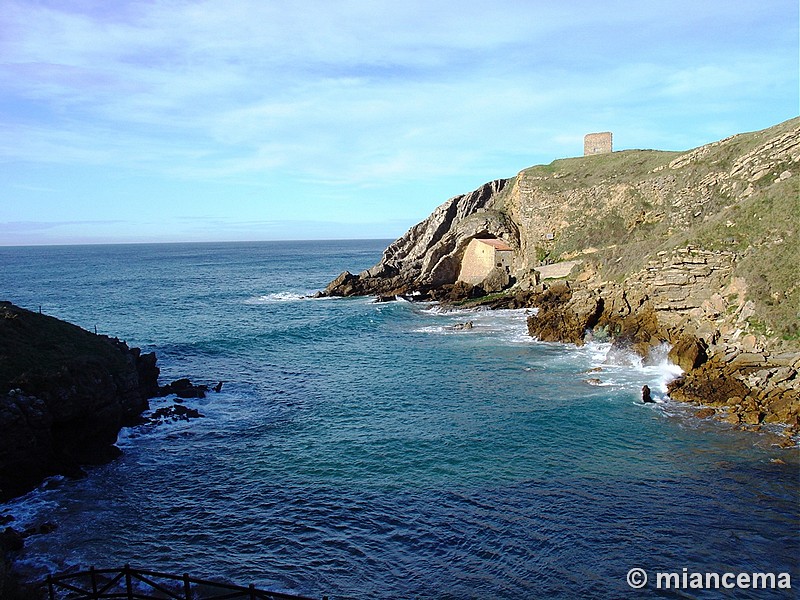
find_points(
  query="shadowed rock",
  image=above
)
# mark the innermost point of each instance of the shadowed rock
(64, 395)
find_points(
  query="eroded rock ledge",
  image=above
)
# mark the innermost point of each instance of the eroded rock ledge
(742, 384)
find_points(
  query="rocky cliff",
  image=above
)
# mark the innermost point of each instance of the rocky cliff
(64, 395)
(698, 249)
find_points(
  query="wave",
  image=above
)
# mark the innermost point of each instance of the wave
(285, 296)
(597, 361)
(625, 369)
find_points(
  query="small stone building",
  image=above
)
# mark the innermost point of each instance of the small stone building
(597, 143)
(483, 255)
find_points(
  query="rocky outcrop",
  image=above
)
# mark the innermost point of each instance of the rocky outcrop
(429, 255)
(562, 315)
(183, 388)
(64, 395)
(697, 249)
(752, 388)
(748, 388)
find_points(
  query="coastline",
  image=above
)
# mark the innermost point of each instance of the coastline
(489, 328)
(695, 249)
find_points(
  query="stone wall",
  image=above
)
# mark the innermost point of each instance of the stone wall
(479, 259)
(597, 143)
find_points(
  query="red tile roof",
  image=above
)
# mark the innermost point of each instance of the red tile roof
(498, 244)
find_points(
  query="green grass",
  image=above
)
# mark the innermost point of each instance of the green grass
(657, 208)
(586, 171)
(31, 343)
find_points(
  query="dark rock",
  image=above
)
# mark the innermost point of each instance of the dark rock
(183, 388)
(646, 397)
(563, 316)
(456, 293)
(638, 332)
(176, 412)
(704, 413)
(98, 456)
(710, 383)
(64, 395)
(41, 529)
(496, 280)
(148, 374)
(218, 387)
(346, 284)
(11, 540)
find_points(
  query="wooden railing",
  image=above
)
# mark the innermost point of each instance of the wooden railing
(128, 583)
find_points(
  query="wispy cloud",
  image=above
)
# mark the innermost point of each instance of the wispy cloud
(366, 93)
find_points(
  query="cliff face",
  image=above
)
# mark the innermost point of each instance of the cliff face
(700, 245)
(64, 395)
(617, 211)
(429, 254)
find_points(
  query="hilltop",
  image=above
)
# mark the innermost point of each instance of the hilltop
(699, 249)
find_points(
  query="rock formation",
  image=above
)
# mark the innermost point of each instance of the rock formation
(64, 395)
(429, 255)
(698, 250)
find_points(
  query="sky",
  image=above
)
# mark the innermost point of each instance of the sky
(172, 121)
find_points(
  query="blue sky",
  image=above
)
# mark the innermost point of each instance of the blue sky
(270, 119)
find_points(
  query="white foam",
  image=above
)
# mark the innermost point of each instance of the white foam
(35, 506)
(285, 296)
(627, 370)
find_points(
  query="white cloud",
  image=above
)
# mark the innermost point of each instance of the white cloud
(373, 93)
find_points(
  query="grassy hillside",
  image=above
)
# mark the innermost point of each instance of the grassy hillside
(741, 194)
(37, 345)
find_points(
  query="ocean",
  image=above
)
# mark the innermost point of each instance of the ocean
(372, 450)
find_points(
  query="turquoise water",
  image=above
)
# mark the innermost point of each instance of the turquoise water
(369, 450)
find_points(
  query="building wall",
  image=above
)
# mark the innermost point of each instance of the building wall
(597, 143)
(479, 259)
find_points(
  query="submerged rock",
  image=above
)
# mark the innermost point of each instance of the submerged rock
(176, 412)
(183, 388)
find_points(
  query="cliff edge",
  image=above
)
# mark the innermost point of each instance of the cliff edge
(64, 395)
(697, 249)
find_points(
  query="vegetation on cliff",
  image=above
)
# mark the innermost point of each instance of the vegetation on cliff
(740, 195)
(698, 249)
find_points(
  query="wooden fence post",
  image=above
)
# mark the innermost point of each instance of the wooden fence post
(128, 583)
(93, 577)
(187, 587)
(50, 588)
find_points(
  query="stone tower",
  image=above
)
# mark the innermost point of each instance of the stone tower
(597, 143)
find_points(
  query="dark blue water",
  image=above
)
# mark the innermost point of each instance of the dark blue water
(368, 450)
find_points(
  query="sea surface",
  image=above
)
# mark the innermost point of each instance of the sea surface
(365, 450)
